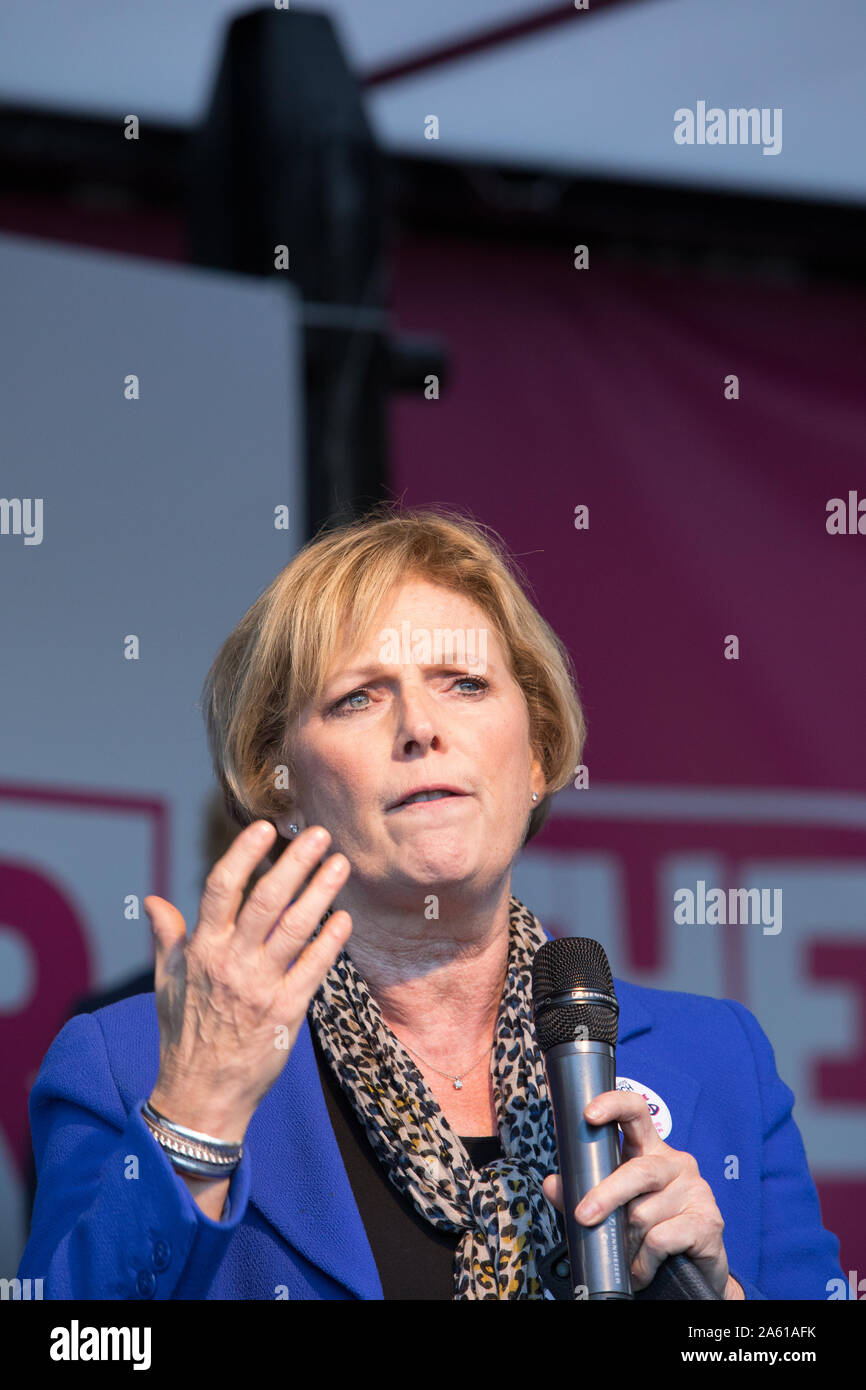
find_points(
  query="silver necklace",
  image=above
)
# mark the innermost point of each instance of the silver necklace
(458, 1080)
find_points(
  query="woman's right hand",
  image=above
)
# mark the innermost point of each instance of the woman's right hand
(228, 1003)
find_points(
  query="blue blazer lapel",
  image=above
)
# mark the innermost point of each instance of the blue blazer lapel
(634, 1017)
(639, 1059)
(298, 1180)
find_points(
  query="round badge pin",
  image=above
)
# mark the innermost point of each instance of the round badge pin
(659, 1113)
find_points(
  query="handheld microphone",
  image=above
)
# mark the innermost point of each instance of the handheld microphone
(576, 1014)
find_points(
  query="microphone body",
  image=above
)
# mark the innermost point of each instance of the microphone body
(577, 1072)
(575, 1011)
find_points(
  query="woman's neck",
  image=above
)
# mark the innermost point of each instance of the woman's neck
(438, 982)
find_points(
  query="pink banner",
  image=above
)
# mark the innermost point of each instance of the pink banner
(677, 462)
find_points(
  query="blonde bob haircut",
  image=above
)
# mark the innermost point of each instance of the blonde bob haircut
(278, 657)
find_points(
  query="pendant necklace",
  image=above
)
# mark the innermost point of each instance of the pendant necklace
(457, 1080)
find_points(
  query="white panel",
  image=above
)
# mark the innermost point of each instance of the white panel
(158, 521)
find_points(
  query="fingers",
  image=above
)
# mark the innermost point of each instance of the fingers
(168, 928)
(649, 1173)
(655, 1229)
(298, 922)
(169, 940)
(313, 964)
(552, 1189)
(224, 885)
(274, 892)
(631, 1112)
(652, 1173)
(686, 1233)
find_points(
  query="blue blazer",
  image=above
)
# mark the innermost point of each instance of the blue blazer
(113, 1220)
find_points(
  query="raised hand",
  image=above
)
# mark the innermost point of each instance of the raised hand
(231, 998)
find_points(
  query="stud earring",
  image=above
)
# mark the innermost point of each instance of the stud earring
(535, 796)
(293, 827)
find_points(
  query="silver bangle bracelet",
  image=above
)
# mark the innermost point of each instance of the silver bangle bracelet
(197, 1167)
(189, 1150)
(192, 1158)
(194, 1135)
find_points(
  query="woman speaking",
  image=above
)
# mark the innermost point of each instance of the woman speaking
(336, 1091)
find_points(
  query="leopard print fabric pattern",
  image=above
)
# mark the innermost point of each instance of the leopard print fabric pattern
(507, 1221)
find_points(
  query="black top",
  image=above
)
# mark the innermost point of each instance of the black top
(415, 1260)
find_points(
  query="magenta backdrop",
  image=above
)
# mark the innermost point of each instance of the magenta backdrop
(605, 387)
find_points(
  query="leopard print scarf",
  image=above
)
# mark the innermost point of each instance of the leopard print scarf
(507, 1221)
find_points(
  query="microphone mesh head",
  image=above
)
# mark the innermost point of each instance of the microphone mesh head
(572, 963)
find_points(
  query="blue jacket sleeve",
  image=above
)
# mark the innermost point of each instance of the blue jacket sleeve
(112, 1219)
(798, 1256)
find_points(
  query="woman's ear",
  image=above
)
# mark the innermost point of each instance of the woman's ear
(537, 780)
(289, 825)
